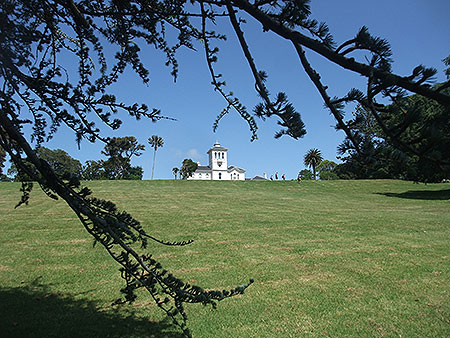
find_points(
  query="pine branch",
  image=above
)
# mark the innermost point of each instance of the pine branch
(388, 78)
(315, 78)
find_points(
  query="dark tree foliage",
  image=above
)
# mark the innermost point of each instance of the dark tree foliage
(135, 173)
(326, 169)
(187, 168)
(41, 41)
(306, 174)
(379, 157)
(93, 170)
(119, 151)
(64, 165)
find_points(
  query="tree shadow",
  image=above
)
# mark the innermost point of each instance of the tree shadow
(36, 311)
(421, 194)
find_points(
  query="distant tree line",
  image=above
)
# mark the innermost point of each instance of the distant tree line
(117, 166)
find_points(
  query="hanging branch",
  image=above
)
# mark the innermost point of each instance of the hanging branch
(231, 101)
(290, 118)
(315, 78)
(387, 78)
(260, 87)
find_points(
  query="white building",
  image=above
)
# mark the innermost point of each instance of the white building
(218, 168)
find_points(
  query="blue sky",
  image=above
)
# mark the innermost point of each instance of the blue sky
(418, 32)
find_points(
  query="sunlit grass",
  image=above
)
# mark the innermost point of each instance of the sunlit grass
(336, 258)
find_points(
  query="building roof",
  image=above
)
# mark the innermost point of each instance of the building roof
(203, 168)
(217, 147)
(239, 170)
(259, 178)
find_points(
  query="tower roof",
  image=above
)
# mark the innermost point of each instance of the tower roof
(217, 147)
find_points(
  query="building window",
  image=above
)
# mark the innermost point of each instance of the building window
(215, 155)
(199, 175)
(238, 176)
(223, 156)
(220, 176)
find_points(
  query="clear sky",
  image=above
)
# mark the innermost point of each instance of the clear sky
(418, 31)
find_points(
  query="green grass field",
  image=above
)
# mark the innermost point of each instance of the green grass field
(335, 258)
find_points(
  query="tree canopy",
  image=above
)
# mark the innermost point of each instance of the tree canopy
(40, 42)
(313, 158)
(381, 157)
(119, 151)
(64, 165)
(306, 174)
(187, 168)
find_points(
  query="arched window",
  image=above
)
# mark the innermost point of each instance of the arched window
(215, 155)
(220, 176)
(223, 156)
(238, 176)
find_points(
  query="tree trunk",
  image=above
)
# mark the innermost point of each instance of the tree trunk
(153, 167)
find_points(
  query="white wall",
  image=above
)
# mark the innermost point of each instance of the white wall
(225, 176)
(200, 176)
(235, 175)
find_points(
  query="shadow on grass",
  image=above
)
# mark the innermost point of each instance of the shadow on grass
(421, 194)
(37, 312)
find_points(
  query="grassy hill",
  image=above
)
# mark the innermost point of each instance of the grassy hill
(336, 258)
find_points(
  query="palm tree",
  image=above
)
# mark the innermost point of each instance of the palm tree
(156, 142)
(312, 158)
(175, 172)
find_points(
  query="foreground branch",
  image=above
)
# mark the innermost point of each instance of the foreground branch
(296, 37)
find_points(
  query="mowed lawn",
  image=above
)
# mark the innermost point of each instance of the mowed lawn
(329, 259)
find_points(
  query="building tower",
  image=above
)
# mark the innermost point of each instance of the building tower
(218, 161)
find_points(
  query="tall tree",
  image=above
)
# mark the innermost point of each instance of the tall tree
(312, 159)
(175, 172)
(41, 40)
(119, 151)
(156, 142)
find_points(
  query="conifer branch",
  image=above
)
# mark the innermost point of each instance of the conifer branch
(315, 78)
(388, 78)
(231, 101)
